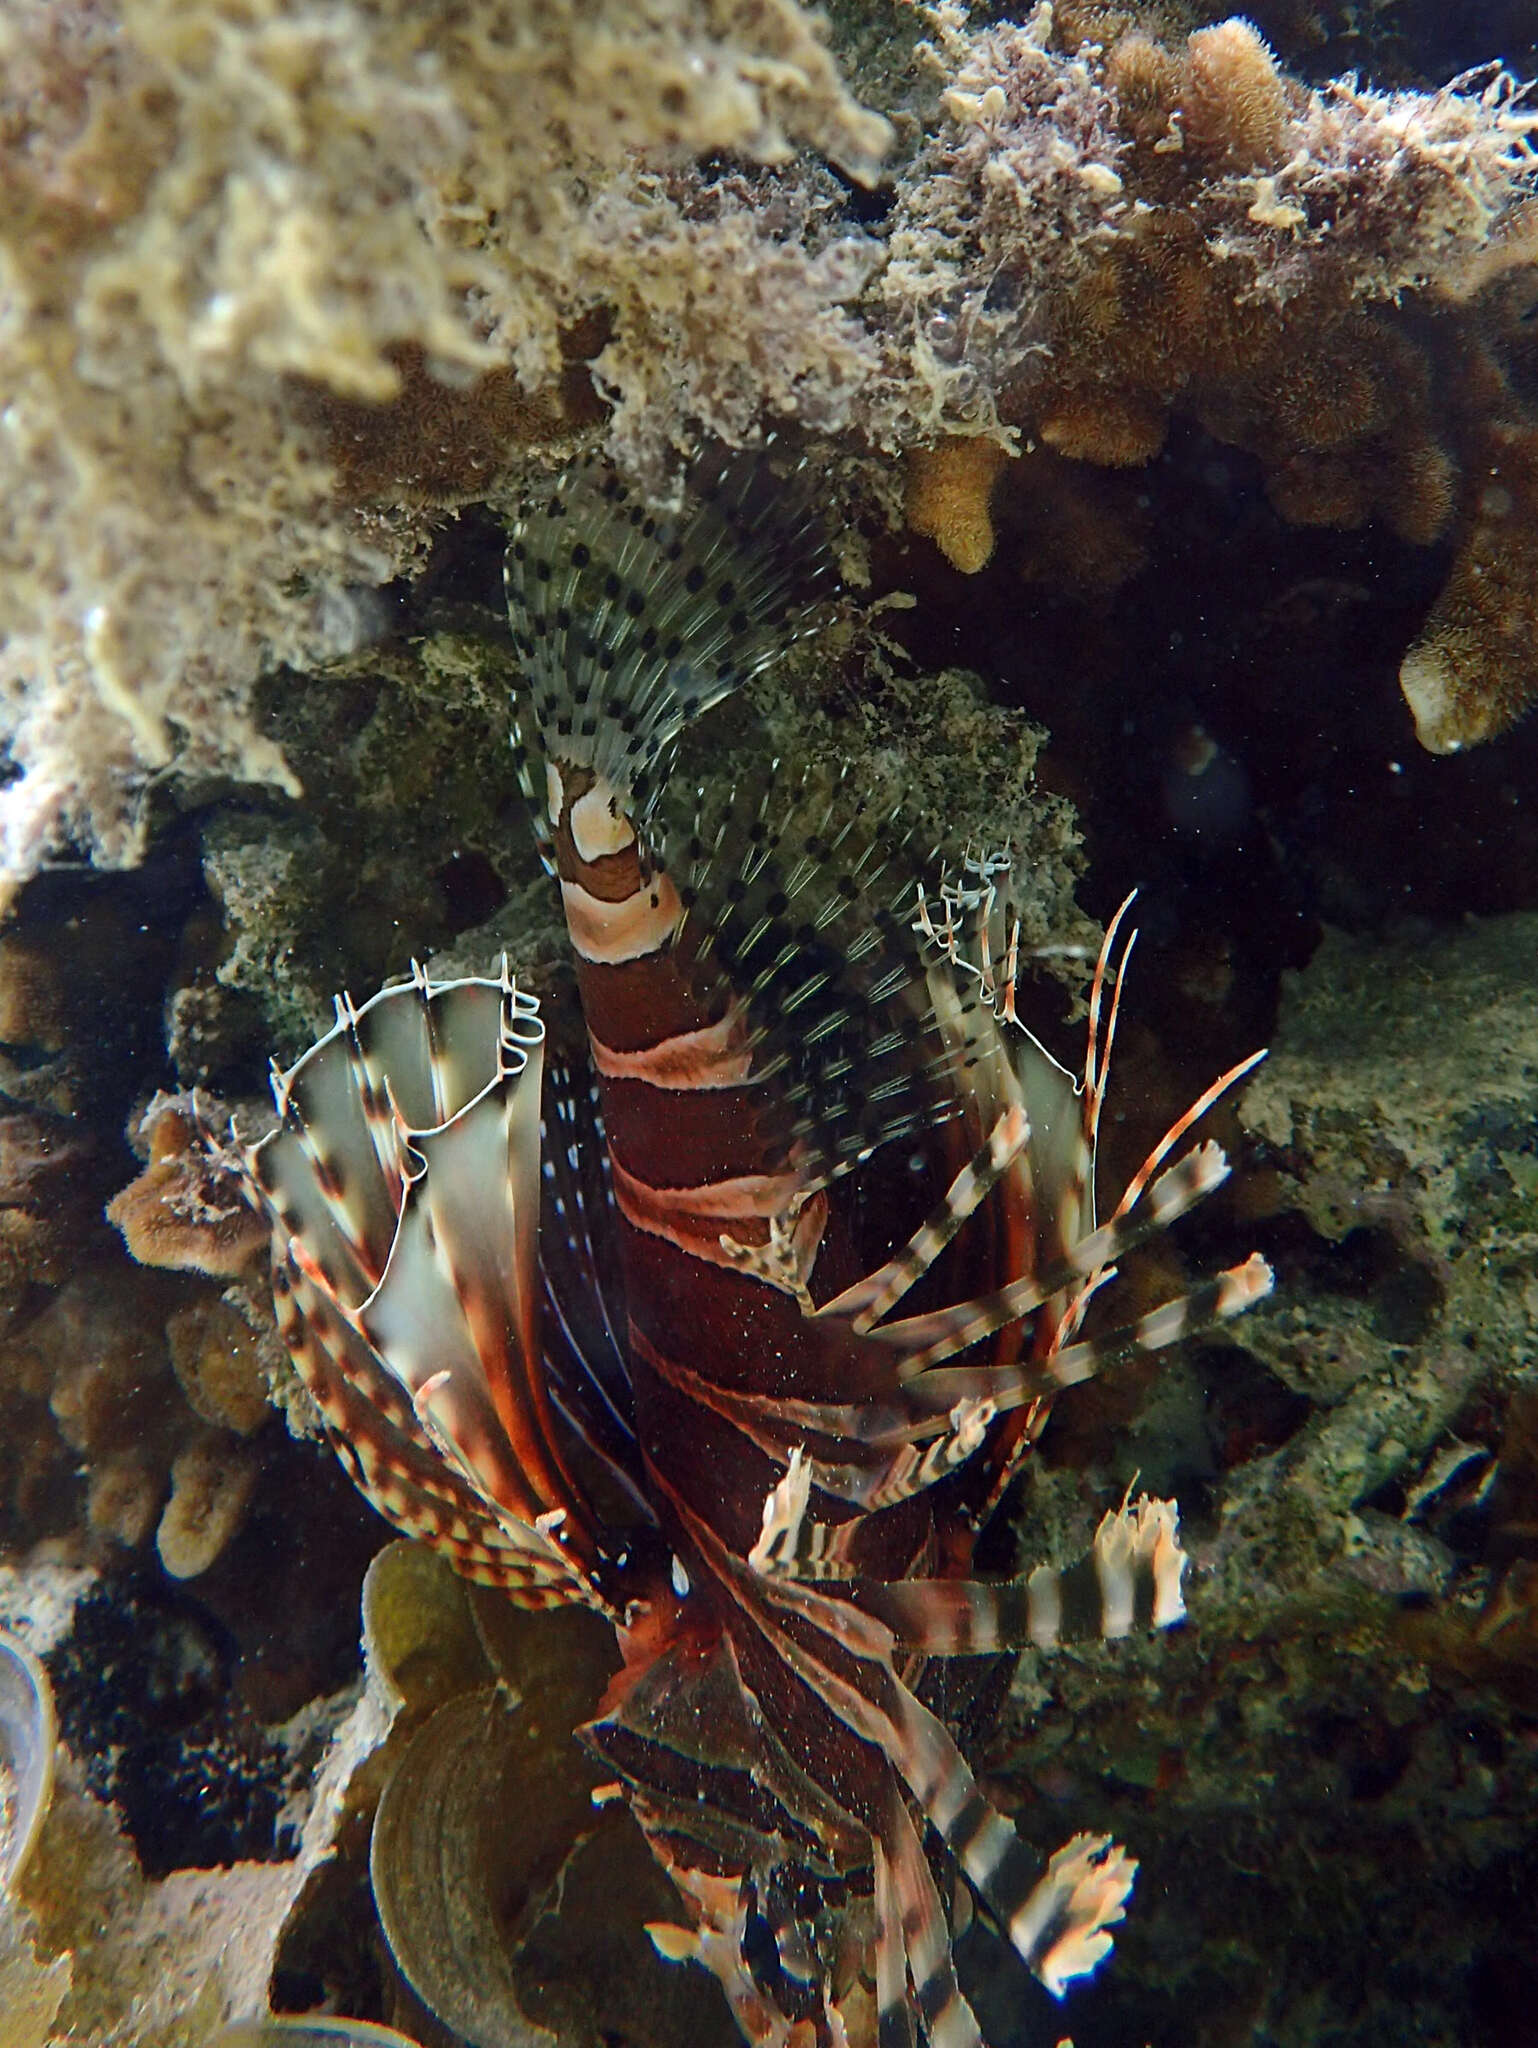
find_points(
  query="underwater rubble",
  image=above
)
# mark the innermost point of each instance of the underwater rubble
(1171, 382)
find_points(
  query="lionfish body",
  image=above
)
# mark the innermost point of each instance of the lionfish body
(818, 1237)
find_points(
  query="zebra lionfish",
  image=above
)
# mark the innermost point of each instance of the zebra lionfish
(737, 1331)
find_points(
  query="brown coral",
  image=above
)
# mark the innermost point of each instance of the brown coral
(218, 1361)
(1080, 528)
(1120, 431)
(32, 1002)
(211, 213)
(948, 491)
(1145, 78)
(211, 1487)
(1194, 233)
(185, 1211)
(1472, 672)
(431, 443)
(88, 1390)
(1233, 102)
(1423, 488)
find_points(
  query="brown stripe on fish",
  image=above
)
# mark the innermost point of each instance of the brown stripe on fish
(395, 1465)
(894, 2013)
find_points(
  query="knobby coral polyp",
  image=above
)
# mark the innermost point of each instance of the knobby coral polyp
(1184, 230)
(736, 1327)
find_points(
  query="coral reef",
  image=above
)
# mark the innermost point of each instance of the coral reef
(1396, 1118)
(1137, 228)
(283, 288)
(91, 1950)
(218, 222)
(412, 831)
(119, 1387)
(89, 1390)
(1097, 239)
(1214, 384)
(414, 841)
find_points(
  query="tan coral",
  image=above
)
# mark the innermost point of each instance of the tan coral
(1472, 673)
(948, 491)
(1195, 233)
(32, 1000)
(210, 212)
(97, 1347)
(1421, 492)
(1112, 430)
(184, 1211)
(45, 1162)
(1082, 529)
(217, 1359)
(211, 1486)
(86, 1391)
(1145, 77)
(1233, 102)
(124, 1496)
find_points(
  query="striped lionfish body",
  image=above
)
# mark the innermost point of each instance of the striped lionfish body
(818, 1239)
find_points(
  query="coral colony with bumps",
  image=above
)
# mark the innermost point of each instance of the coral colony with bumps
(772, 425)
(274, 279)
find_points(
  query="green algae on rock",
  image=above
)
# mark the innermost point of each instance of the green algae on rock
(1358, 1674)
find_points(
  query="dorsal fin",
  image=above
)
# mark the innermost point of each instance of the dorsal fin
(631, 624)
(803, 909)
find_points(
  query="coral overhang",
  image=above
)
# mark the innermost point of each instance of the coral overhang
(223, 230)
